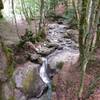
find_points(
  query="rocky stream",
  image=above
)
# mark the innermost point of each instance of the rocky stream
(33, 79)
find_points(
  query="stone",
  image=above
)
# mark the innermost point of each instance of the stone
(33, 57)
(27, 79)
(69, 56)
(45, 51)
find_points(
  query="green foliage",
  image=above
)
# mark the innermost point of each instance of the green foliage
(70, 17)
(11, 98)
(27, 37)
(40, 36)
(10, 61)
(10, 68)
(31, 7)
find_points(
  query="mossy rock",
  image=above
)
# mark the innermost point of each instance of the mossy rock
(29, 81)
(60, 65)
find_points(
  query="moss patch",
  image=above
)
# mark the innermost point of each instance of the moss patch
(60, 65)
(38, 37)
(9, 56)
(30, 79)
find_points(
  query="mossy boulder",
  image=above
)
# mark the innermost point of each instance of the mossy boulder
(27, 79)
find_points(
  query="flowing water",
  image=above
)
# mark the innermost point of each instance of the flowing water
(44, 76)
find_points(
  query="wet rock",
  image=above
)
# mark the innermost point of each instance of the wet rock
(62, 36)
(27, 79)
(70, 56)
(50, 45)
(45, 51)
(67, 48)
(55, 32)
(52, 26)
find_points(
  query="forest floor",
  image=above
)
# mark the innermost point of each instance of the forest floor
(66, 81)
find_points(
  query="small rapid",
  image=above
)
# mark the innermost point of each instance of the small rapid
(44, 76)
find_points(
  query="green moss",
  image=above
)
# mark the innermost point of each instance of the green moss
(40, 36)
(28, 81)
(9, 56)
(11, 98)
(60, 65)
(10, 68)
(53, 87)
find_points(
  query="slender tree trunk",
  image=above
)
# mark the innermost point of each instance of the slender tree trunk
(13, 11)
(41, 15)
(87, 36)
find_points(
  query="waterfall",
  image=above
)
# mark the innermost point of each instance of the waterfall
(44, 76)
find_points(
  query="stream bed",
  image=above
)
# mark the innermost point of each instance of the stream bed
(32, 80)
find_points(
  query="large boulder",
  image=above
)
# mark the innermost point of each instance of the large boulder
(27, 79)
(60, 56)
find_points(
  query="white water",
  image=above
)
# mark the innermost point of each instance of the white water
(44, 76)
(43, 73)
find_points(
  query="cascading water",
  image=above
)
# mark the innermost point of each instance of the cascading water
(44, 76)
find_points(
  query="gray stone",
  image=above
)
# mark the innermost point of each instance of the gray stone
(33, 57)
(27, 79)
(45, 51)
(69, 56)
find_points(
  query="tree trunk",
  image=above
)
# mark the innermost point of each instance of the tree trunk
(87, 36)
(41, 15)
(1, 7)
